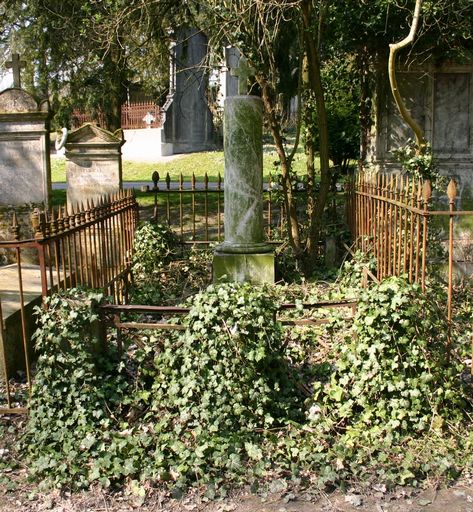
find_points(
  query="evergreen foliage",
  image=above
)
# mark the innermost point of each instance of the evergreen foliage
(223, 402)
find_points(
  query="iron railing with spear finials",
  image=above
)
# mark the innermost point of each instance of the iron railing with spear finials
(88, 245)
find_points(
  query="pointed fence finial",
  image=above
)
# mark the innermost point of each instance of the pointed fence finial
(37, 221)
(452, 191)
(426, 191)
(15, 228)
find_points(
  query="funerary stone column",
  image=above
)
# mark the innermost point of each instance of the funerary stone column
(244, 255)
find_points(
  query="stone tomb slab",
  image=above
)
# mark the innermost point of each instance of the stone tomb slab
(11, 312)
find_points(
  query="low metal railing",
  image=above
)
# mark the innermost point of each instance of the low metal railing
(88, 246)
(113, 316)
(391, 217)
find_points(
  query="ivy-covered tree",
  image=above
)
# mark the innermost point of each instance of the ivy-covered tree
(333, 48)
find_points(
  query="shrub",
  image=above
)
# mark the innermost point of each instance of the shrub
(392, 383)
(220, 402)
(154, 245)
(76, 387)
(204, 399)
(226, 380)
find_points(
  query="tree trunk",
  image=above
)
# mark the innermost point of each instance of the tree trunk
(393, 49)
(112, 106)
(365, 102)
(113, 114)
(289, 202)
(315, 84)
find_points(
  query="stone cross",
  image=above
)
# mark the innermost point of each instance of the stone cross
(16, 64)
(243, 72)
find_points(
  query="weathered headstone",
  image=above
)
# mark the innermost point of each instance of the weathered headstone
(93, 164)
(243, 256)
(188, 121)
(439, 99)
(25, 169)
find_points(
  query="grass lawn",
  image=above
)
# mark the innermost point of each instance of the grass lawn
(210, 162)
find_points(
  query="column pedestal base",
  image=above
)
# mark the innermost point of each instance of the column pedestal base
(253, 268)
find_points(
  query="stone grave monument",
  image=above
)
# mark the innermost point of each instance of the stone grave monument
(188, 123)
(93, 164)
(243, 256)
(25, 168)
(439, 97)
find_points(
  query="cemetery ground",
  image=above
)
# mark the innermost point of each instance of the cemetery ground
(362, 410)
(279, 448)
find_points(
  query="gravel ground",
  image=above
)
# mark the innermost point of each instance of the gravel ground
(456, 498)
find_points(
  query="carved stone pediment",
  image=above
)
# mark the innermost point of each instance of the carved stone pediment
(92, 134)
(16, 101)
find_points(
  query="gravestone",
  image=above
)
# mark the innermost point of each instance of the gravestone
(188, 123)
(25, 168)
(224, 82)
(93, 164)
(243, 256)
(440, 99)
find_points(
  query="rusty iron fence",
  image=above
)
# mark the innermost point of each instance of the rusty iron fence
(391, 217)
(90, 245)
(388, 217)
(132, 116)
(195, 209)
(116, 316)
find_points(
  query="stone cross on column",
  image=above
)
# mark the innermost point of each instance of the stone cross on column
(16, 65)
(243, 72)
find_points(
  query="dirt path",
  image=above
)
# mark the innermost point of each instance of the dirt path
(458, 498)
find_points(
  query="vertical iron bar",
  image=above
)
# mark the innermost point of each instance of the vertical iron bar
(62, 249)
(395, 184)
(451, 193)
(377, 215)
(4, 357)
(390, 191)
(193, 206)
(362, 214)
(206, 206)
(219, 189)
(181, 206)
(23, 318)
(155, 179)
(168, 204)
(427, 193)
(270, 205)
(413, 217)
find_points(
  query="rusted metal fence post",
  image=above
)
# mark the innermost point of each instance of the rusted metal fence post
(426, 195)
(155, 179)
(452, 194)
